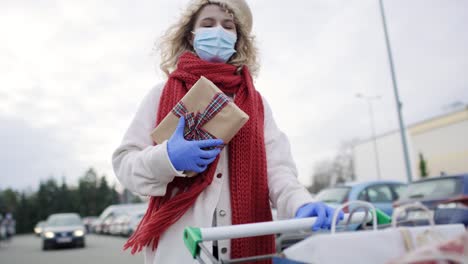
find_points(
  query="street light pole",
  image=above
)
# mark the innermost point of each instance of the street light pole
(374, 136)
(397, 97)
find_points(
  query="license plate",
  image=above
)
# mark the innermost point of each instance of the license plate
(420, 215)
(64, 240)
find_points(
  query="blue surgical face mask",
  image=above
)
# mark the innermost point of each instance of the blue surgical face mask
(214, 44)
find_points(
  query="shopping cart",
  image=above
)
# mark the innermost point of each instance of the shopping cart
(298, 228)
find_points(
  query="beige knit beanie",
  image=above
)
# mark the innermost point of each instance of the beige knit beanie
(239, 7)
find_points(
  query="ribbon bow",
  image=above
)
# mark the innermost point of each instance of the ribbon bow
(195, 121)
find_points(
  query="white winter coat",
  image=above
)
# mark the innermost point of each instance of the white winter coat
(146, 170)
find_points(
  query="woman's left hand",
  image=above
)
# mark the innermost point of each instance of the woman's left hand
(323, 212)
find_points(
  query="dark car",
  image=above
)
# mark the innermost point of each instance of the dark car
(452, 211)
(430, 193)
(63, 229)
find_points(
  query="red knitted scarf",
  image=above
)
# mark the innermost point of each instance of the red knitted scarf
(247, 161)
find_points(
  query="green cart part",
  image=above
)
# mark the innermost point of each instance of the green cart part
(192, 236)
(383, 218)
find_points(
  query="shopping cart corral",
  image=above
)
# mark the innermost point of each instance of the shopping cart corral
(335, 246)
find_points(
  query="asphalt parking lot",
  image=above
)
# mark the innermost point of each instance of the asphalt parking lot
(99, 249)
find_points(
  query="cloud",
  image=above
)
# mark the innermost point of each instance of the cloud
(315, 64)
(75, 72)
(31, 154)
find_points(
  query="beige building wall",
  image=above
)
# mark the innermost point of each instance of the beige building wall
(443, 141)
(391, 161)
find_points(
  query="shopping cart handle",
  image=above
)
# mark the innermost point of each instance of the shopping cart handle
(194, 235)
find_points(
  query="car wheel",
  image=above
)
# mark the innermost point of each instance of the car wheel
(45, 246)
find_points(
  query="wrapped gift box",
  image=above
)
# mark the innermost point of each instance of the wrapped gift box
(209, 113)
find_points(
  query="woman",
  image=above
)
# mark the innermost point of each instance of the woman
(235, 185)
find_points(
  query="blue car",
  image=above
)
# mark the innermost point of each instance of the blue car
(381, 194)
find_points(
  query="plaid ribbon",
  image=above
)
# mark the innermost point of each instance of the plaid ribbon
(195, 121)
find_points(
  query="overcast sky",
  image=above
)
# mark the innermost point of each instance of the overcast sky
(72, 74)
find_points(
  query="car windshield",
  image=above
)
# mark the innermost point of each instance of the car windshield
(333, 195)
(63, 220)
(434, 189)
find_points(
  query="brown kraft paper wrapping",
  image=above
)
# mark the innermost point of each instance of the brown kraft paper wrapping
(224, 125)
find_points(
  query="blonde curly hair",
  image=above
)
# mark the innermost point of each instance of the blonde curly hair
(175, 41)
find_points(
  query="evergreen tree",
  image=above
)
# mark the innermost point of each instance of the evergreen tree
(9, 199)
(47, 198)
(63, 198)
(115, 197)
(423, 166)
(136, 199)
(91, 197)
(25, 219)
(104, 195)
(87, 189)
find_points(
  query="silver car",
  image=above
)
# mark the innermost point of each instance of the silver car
(38, 228)
(65, 229)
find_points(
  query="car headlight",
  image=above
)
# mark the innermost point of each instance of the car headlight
(49, 234)
(78, 233)
(37, 230)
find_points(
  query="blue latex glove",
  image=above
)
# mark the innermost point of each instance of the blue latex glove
(323, 212)
(191, 155)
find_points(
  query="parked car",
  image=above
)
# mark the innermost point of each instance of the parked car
(117, 225)
(432, 192)
(96, 226)
(380, 193)
(88, 222)
(132, 224)
(39, 227)
(106, 224)
(63, 229)
(3, 229)
(452, 211)
(103, 223)
(10, 224)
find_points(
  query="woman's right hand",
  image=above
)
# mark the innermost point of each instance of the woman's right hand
(191, 155)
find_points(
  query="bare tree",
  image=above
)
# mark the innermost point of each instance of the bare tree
(338, 169)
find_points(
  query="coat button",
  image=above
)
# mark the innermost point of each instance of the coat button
(219, 175)
(222, 213)
(224, 250)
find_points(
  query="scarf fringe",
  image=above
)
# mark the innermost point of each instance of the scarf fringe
(163, 212)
